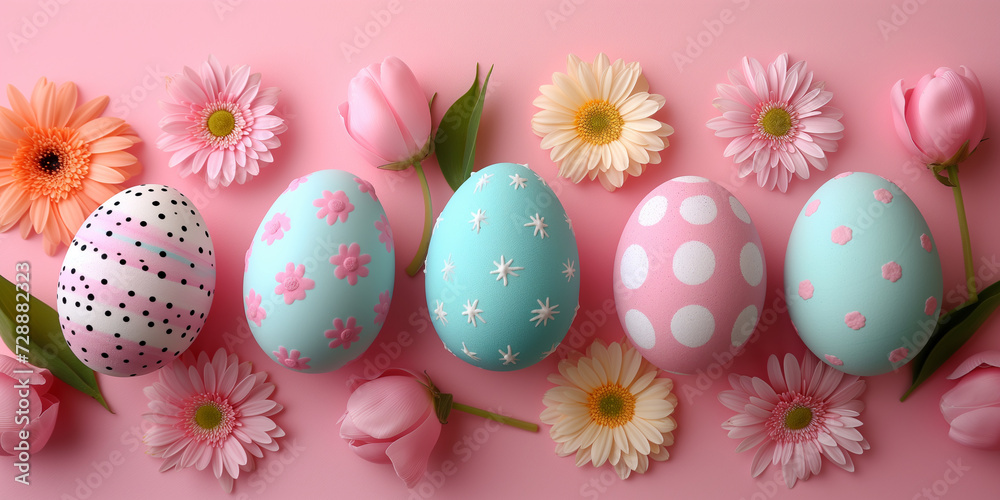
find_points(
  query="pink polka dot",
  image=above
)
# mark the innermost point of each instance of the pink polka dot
(833, 360)
(842, 175)
(891, 271)
(898, 355)
(806, 289)
(854, 320)
(841, 235)
(925, 241)
(883, 195)
(930, 305)
(811, 207)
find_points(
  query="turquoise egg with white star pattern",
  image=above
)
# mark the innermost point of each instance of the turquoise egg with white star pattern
(502, 270)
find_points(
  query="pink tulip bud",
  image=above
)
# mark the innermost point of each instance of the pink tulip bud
(391, 419)
(944, 111)
(387, 115)
(26, 408)
(972, 408)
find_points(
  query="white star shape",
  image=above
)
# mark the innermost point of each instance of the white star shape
(550, 351)
(504, 268)
(440, 314)
(436, 222)
(482, 182)
(540, 179)
(539, 224)
(473, 311)
(569, 223)
(544, 313)
(448, 269)
(478, 218)
(446, 347)
(575, 311)
(508, 358)
(517, 181)
(469, 353)
(569, 270)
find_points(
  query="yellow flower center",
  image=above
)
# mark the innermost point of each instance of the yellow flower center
(611, 405)
(775, 122)
(798, 418)
(597, 122)
(221, 123)
(208, 416)
(50, 162)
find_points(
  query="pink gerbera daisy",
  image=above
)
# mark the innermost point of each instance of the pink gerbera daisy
(779, 121)
(211, 412)
(220, 120)
(806, 413)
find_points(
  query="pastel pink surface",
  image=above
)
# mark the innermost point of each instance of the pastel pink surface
(311, 51)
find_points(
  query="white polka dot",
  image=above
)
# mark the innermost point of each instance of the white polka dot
(744, 325)
(698, 209)
(689, 179)
(653, 211)
(639, 329)
(694, 263)
(692, 325)
(751, 264)
(739, 209)
(634, 267)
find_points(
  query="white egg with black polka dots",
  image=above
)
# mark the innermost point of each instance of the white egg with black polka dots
(137, 282)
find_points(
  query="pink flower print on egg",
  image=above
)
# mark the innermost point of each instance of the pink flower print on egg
(333, 206)
(292, 186)
(382, 308)
(350, 263)
(275, 228)
(255, 313)
(898, 355)
(366, 187)
(343, 334)
(292, 283)
(246, 258)
(385, 232)
(291, 359)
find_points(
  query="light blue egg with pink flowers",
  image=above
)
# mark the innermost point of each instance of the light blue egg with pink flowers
(319, 272)
(862, 275)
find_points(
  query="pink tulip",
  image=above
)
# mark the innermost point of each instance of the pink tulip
(944, 111)
(40, 408)
(391, 419)
(973, 406)
(387, 115)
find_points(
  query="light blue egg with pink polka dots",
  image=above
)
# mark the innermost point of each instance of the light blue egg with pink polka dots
(319, 272)
(862, 275)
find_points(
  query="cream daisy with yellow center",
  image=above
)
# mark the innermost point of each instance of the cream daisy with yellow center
(597, 121)
(610, 406)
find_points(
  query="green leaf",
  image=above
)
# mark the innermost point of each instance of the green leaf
(455, 141)
(46, 347)
(953, 331)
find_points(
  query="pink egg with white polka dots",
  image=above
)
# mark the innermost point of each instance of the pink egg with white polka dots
(689, 275)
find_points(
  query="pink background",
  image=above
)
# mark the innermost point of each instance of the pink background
(123, 48)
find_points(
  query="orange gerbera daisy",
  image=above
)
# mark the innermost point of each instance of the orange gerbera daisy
(58, 162)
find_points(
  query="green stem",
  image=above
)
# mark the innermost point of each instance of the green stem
(418, 259)
(513, 422)
(970, 277)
